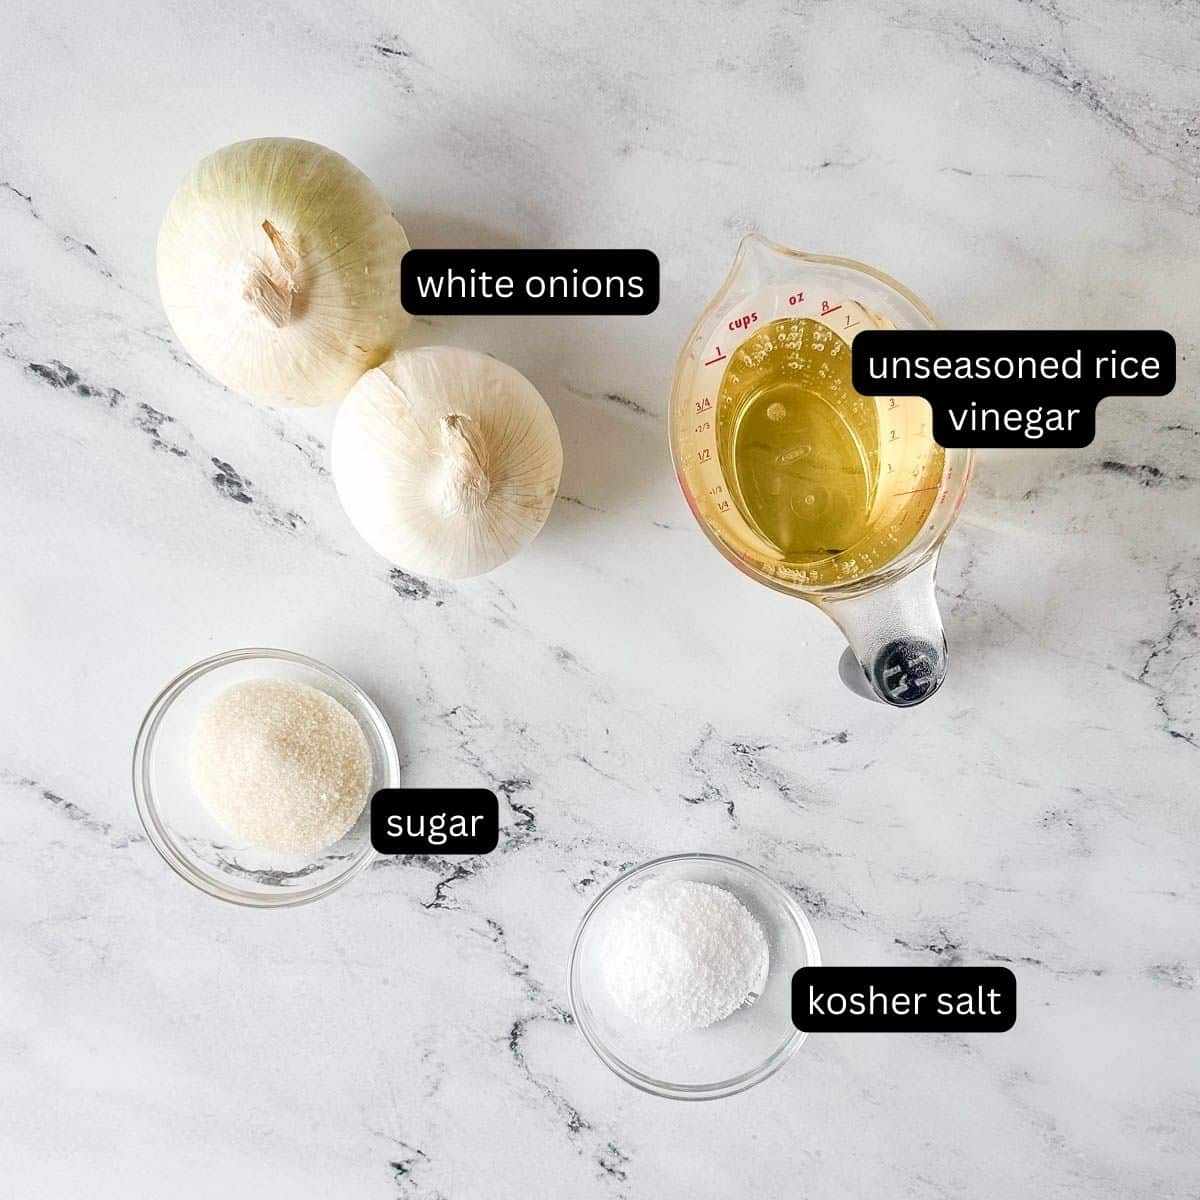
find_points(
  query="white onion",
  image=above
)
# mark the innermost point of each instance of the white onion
(446, 461)
(279, 269)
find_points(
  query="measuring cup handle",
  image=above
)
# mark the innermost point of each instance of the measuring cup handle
(897, 651)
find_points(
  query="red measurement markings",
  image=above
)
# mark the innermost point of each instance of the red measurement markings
(720, 358)
(826, 310)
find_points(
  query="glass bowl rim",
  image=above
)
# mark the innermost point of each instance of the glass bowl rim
(148, 810)
(706, 1091)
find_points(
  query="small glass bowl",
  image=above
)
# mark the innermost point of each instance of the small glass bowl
(723, 1059)
(193, 843)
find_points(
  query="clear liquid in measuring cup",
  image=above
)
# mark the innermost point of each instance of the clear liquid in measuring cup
(837, 484)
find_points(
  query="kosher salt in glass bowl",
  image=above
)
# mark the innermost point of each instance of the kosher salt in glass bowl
(183, 831)
(723, 1059)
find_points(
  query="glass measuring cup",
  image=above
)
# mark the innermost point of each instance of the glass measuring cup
(878, 586)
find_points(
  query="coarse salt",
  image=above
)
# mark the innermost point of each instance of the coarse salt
(679, 954)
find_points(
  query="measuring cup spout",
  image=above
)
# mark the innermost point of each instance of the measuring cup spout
(897, 651)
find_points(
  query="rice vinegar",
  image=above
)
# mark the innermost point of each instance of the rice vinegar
(833, 481)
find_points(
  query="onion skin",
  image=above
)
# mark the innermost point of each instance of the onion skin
(279, 270)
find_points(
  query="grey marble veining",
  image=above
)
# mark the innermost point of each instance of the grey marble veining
(622, 689)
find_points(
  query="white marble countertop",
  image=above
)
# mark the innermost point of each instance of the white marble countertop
(625, 691)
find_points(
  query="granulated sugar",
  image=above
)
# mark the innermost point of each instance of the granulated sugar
(281, 765)
(679, 954)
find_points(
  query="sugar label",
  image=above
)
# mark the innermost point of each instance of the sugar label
(435, 821)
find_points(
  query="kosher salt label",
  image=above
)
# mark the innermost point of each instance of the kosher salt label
(904, 999)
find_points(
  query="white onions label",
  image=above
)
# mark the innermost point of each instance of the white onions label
(526, 283)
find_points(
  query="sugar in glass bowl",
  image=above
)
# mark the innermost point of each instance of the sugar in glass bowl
(734, 1054)
(193, 843)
